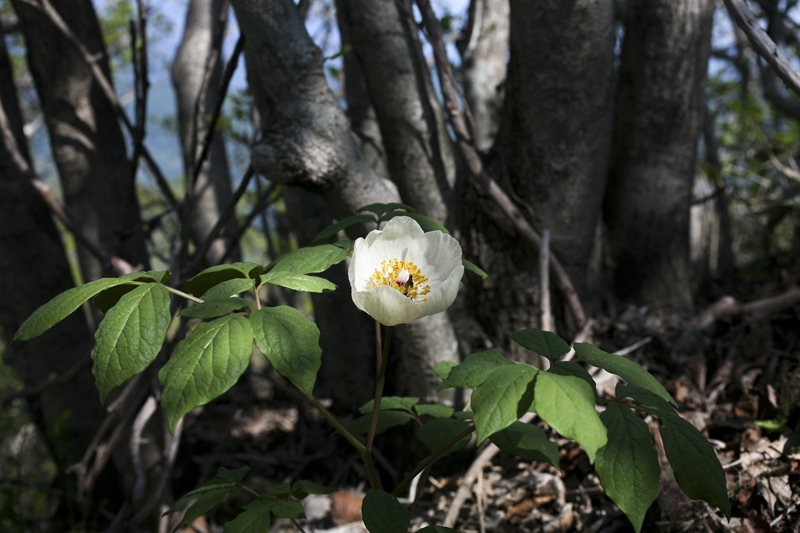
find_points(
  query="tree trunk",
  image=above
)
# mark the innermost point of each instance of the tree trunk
(418, 151)
(33, 269)
(484, 48)
(658, 118)
(363, 120)
(88, 147)
(552, 154)
(212, 188)
(307, 143)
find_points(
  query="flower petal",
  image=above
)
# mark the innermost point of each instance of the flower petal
(388, 306)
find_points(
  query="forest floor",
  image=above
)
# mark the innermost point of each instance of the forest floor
(736, 377)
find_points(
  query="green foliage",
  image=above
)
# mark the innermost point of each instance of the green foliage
(130, 336)
(439, 431)
(527, 441)
(290, 342)
(208, 278)
(383, 513)
(390, 402)
(502, 398)
(205, 365)
(475, 369)
(544, 343)
(208, 495)
(214, 308)
(386, 420)
(628, 465)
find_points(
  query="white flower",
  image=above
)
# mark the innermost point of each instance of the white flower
(401, 273)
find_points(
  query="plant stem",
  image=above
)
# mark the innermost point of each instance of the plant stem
(173, 291)
(349, 437)
(248, 489)
(430, 460)
(376, 407)
(258, 301)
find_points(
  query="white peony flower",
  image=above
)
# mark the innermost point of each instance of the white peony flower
(402, 273)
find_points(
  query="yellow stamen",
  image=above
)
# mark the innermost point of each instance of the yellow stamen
(411, 282)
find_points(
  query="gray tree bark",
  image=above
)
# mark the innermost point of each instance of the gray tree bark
(484, 51)
(418, 151)
(553, 150)
(307, 143)
(88, 147)
(33, 269)
(363, 120)
(658, 119)
(212, 188)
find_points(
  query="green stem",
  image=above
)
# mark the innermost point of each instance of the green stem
(430, 460)
(248, 489)
(376, 407)
(349, 437)
(258, 301)
(173, 291)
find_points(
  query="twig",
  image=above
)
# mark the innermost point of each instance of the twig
(141, 84)
(200, 253)
(141, 420)
(472, 473)
(763, 44)
(115, 264)
(466, 147)
(259, 207)
(45, 7)
(35, 390)
(230, 68)
(544, 280)
(784, 514)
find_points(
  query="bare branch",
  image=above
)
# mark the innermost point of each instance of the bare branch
(764, 45)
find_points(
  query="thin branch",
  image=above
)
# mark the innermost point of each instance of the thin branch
(230, 68)
(763, 44)
(224, 217)
(35, 390)
(544, 280)
(141, 83)
(469, 153)
(260, 207)
(45, 7)
(135, 441)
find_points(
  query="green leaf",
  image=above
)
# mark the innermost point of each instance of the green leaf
(335, 228)
(109, 297)
(281, 490)
(426, 223)
(568, 368)
(443, 368)
(383, 513)
(662, 408)
(228, 288)
(208, 495)
(386, 420)
(475, 369)
(527, 441)
(61, 307)
(214, 308)
(308, 260)
(254, 519)
(297, 282)
(215, 275)
(289, 509)
(290, 342)
(544, 343)
(628, 464)
(624, 368)
(772, 425)
(566, 403)
(380, 209)
(302, 488)
(130, 336)
(206, 364)
(439, 431)
(695, 465)
(390, 402)
(502, 398)
(463, 415)
(472, 267)
(437, 529)
(434, 410)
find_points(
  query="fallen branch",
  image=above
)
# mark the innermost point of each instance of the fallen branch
(763, 44)
(728, 306)
(469, 153)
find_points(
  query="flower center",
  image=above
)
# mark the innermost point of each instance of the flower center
(404, 276)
